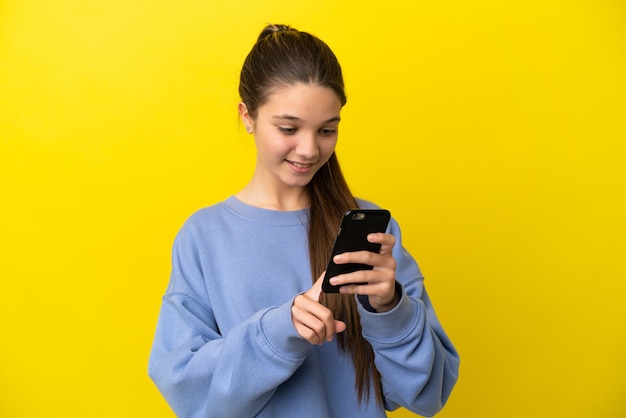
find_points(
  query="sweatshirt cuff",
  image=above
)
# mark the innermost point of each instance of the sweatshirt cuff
(391, 325)
(280, 334)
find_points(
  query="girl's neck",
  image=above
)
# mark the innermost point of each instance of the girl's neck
(289, 200)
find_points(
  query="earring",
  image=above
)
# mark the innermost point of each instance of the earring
(248, 129)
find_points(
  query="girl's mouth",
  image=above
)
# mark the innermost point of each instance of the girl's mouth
(300, 167)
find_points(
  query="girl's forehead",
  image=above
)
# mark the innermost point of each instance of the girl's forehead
(298, 88)
(302, 97)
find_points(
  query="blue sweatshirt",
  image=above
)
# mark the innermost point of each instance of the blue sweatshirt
(225, 344)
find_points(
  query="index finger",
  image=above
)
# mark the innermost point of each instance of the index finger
(387, 241)
(316, 290)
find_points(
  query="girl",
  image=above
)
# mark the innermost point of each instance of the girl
(242, 331)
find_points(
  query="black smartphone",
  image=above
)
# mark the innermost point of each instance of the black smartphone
(352, 236)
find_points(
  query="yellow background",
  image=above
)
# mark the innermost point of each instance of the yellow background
(493, 130)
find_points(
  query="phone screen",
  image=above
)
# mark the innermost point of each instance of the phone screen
(355, 226)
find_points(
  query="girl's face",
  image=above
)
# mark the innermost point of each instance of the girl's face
(295, 133)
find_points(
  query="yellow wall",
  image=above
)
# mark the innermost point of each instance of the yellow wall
(494, 131)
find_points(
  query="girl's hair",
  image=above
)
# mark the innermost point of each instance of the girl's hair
(283, 56)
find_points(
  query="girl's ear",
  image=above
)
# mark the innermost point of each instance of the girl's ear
(245, 117)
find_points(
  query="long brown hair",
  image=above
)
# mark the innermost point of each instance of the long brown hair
(285, 56)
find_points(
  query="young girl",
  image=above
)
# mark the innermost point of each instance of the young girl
(244, 329)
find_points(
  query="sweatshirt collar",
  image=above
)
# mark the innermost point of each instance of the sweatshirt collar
(267, 216)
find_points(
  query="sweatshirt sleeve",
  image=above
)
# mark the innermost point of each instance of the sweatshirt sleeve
(195, 367)
(416, 359)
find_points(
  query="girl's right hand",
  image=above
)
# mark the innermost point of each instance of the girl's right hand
(313, 321)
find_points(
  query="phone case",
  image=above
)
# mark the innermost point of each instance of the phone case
(352, 236)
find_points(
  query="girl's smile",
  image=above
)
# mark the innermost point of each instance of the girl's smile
(300, 167)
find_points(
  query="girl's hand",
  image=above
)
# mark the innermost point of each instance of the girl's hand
(313, 321)
(380, 282)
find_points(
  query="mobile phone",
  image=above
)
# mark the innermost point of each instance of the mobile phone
(352, 236)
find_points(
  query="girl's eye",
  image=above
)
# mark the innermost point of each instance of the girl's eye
(325, 131)
(287, 130)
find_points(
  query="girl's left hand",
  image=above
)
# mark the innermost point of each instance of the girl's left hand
(380, 282)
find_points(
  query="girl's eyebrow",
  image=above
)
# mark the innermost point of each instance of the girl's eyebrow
(297, 119)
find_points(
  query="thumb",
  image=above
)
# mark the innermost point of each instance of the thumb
(340, 326)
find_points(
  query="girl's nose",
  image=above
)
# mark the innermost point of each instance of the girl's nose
(307, 146)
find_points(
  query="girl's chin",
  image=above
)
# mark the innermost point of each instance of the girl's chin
(299, 180)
